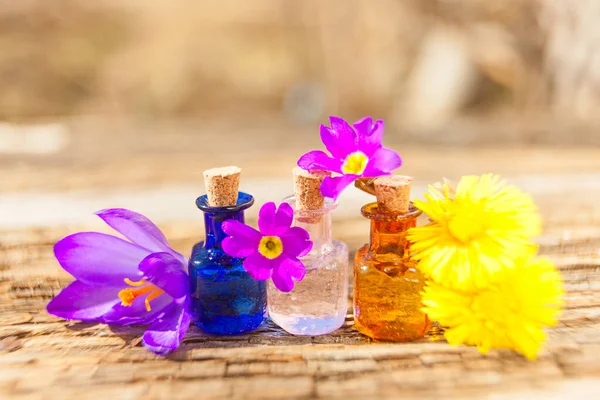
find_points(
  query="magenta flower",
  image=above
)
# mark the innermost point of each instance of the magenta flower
(121, 283)
(356, 152)
(274, 251)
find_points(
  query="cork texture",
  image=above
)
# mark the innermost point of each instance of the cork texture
(393, 193)
(222, 185)
(307, 189)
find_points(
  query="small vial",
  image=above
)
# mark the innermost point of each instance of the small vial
(318, 304)
(387, 284)
(224, 298)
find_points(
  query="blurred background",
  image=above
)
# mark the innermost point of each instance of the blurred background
(421, 64)
(143, 95)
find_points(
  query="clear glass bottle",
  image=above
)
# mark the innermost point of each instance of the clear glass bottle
(387, 286)
(225, 299)
(318, 304)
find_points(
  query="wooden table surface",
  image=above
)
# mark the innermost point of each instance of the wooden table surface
(45, 357)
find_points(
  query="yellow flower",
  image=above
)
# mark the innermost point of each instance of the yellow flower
(476, 231)
(509, 314)
(444, 188)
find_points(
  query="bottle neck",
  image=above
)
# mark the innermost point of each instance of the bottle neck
(319, 228)
(390, 236)
(213, 225)
(388, 230)
(317, 223)
(215, 216)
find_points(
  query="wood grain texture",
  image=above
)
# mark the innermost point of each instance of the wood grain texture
(43, 357)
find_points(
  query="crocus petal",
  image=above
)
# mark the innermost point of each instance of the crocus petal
(286, 269)
(243, 239)
(383, 162)
(166, 333)
(296, 242)
(369, 141)
(258, 266)
(340, 139)
(83, 302)
(99, 259)
(139, 229)
(319, 160)
(332, 187)
(137, 313)
(167, 273)
(273, 222)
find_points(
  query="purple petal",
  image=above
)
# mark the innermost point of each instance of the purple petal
(139, 229)
(284, 217)
(83, 302)
(319, 160)
(285, 270)
(266, 218)
(363, 126)
(240, 230)
(166, 333)
(137, 313)
(340, 139)
(99, 259)
(258, 266)
(236, 247)
(243, 239)
(369, 141)
(333, 187)
(166, 273)
(296, 242)
(383, 162)
(273, 222)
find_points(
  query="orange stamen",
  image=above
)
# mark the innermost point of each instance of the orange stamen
(156, 293)
(128, 295)
(135, 283)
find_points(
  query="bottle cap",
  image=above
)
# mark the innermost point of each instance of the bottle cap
(393, 193)
(222, 186)
(307, 189)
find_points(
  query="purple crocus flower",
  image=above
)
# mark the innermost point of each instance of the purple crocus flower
(119, 282)
(356, 152)
(274, 251)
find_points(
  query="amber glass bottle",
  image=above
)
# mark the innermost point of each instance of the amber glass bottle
(387, 286)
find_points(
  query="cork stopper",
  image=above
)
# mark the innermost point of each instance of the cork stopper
(222, 186)
(307, 189)
(393, 193)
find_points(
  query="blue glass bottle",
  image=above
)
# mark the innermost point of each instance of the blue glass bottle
(225, 299)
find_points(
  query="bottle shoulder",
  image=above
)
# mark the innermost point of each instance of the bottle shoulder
(202, 257)
(333, 249)
(391, 264)
(197, 248)
(338, 245)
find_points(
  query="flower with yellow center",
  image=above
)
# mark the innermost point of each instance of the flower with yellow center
(476, 231)
(355, 152)
(273, 251)
(509, 314)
